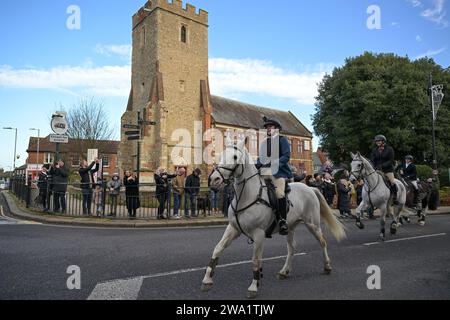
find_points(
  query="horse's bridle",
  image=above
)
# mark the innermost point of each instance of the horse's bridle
(352, 173)
(232, 171)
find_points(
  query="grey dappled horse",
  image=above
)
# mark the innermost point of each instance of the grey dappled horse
(376, 194)
(249, 215)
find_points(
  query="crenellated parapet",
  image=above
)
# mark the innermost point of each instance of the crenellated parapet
(176, 7)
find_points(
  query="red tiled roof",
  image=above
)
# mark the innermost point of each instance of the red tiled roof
(74, 146)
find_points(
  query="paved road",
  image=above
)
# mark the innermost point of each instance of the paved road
(168, 264)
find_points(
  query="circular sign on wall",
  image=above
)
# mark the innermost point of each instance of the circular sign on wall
(59, 123)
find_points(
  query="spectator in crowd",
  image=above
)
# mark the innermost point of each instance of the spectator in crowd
(328, 189)
(344, 191)
(192, 189)
(98, 199)
(318, 182)
(86, 173)
(359, 189)
(227, 196)
(214, 195)
(178, 191)
(131, 183)
(162, 190)
(114, 191)
(42, 185)
(60, 176)
(309, 180)
(300, 177)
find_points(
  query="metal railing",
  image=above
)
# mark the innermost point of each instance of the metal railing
(102, 203)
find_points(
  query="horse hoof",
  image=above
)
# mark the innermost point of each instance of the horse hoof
(252, 294)
(393, 231)
(360, 225)
(206, 287)
(382, 237)
(328, 270)
(421, 223)
(408, 220)
(282, 276)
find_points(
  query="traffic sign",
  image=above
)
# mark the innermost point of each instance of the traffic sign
(132, 133)
(131, 126)
(59, 123)
(131, 138)
(149, 123)
(59, 138)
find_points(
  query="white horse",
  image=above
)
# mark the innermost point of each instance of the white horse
(249, 214)
(376, 194)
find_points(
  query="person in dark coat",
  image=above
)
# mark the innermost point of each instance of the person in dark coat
(131, 183)
(87, 179)
(344, 190)
(383, 159)
(43, 187)
(192, 189)
(60, 175)
(162, 190)
(328, 189)
(408, 171)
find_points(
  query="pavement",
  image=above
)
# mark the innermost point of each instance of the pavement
(19, 211)
(169, 264)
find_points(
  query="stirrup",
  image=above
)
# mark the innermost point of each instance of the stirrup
(284, 229)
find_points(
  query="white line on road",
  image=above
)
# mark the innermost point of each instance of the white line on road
(404, 239)
(128, 289)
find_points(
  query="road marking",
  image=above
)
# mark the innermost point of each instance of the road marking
(129, 288)
(404, 239)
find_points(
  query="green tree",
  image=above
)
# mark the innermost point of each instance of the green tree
(382, 94)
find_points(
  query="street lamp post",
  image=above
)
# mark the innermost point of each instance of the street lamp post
(39, 136)
(436, 97)
(15, 145)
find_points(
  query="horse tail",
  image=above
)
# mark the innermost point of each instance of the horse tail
(335, 226)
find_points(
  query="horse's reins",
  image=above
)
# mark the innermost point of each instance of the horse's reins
(367, 181)
(239, 197)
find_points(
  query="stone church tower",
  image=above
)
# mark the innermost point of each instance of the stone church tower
(169, 82)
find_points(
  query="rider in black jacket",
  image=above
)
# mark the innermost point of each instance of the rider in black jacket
(408, 171)
(383, 159)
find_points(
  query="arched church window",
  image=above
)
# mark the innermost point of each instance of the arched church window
(183, 34)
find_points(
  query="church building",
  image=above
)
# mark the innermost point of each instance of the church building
(170, 87)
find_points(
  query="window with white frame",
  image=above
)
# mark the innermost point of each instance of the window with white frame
(299, 147)
(307, 145)
(49, 158)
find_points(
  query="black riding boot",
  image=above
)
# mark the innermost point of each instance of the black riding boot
(394, 190)
(416, 199)
(282, 207)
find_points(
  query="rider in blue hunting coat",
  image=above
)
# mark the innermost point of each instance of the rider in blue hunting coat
(272, 158)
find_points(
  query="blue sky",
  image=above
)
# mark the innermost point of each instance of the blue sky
(270, 53)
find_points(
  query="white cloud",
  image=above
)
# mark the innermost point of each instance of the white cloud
(418, 38)
(415, 3)
(436, 13)
(430, 53)
(234, 77)
(123, 50)
(228, 78)
(102, 81)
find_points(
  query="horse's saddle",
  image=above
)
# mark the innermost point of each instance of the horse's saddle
(272, 193)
